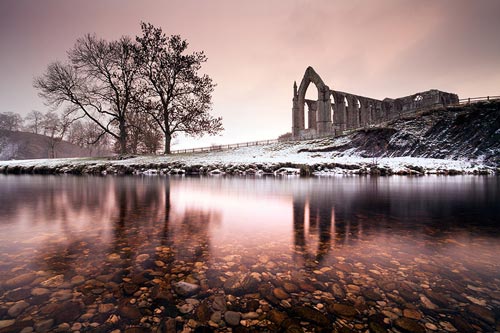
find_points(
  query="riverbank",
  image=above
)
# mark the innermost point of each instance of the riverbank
(273, 159)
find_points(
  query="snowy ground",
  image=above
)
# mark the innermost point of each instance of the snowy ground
(322, 163)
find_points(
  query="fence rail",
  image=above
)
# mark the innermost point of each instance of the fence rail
(213, 148)
(224, 147)
(470, 100)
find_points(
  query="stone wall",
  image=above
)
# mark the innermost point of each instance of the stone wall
(336, 111)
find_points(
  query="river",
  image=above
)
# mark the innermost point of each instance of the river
(350, 254)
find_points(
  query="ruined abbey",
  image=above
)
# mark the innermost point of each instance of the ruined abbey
(335, 111)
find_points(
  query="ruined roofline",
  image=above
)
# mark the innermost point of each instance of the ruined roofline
(391, 98)
(349, 94)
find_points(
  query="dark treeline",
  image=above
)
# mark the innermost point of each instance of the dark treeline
(134, 94)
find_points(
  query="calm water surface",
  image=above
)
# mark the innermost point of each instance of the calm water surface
(252, 254)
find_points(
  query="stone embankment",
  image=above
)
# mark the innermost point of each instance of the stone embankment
(254, 169)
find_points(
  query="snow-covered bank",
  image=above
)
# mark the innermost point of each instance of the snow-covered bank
(279, 158)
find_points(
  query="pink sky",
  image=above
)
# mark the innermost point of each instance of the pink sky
(256, 49)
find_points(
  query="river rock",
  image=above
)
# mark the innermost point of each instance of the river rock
(412, 314)
(343, 310)
(409, 325)
(437, 298)
(17, 295)
(250, 315)
(482, 313)
(338, 292)
(241, 284)
(68, 312)
(290, 287)
(39, 291)
(142, 257)
(185, 308)
(20, 280)
(279, 293)
(53, 282)
(18, 308)
(462, 325)
(28, 329)
(311, 315)
(219, 303)
(377, 324)
(216, 317)
(185, 289)
(372, 295)
(202, 313)
(106, 307)
(130, 312)
(130, 288)
(276, 316)
(77, 280)
(6, 323)
(232, 318)
(44, 325)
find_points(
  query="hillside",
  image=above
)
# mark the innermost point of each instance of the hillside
(22, 145)
(458, 133)
(458, 140)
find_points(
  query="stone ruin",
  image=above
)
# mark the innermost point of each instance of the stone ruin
(335, 112)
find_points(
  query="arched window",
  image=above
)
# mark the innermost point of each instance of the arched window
(418, 98)
(346, 103)
(332, 99)
(358, 104)
(312, 93)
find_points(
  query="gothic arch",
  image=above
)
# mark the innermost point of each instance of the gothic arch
(310, 76)
(323, 106)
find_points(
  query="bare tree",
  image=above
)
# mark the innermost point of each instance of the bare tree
(98, 82)
(173, 92)
(86, 134)
(10, 121)
(33, 121)
(55, 128)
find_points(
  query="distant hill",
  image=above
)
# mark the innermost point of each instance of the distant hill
(22, 145)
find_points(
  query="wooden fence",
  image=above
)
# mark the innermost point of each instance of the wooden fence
(224, 147)
(213, 148)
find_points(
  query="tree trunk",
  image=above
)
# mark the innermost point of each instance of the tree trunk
(168, 140)
(123, 137)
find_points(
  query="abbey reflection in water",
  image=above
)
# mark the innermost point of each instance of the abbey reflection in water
(190, 214)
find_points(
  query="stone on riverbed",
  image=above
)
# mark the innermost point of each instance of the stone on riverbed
(44, 325)
(185, 288)
(232, 318)
(53, 282)
(311, 315)
(20, 280)
(39, 291)
(409, 325)
(17, 308)
(242, 284)
(343, 310)
(482, 313)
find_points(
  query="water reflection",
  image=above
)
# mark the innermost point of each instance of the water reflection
(358, 233)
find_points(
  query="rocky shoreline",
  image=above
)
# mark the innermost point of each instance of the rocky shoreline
(238, 169)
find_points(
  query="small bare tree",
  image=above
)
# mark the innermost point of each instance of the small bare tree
(55, 127)
(10, 121)
(33, 121)
(98, 82)
(86, 134)
(173, 92)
